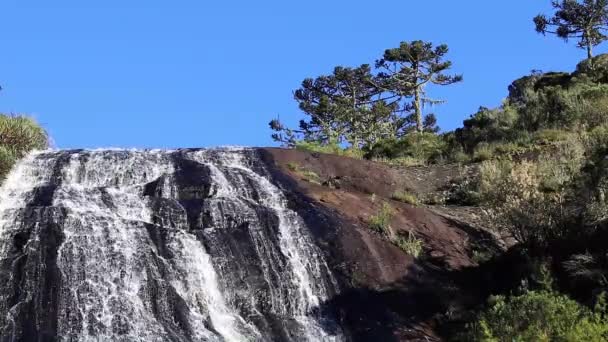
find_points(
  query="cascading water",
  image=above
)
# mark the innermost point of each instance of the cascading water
(186, 245)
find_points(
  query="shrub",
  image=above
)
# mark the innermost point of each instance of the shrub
(307, 175)
(7, 160)
(419, 146)
(539, 316)
(530, 198)
(401, 161)
(329, 149)
(549, 136)
(405, 197)
(410, 244)
(21, 134)
(487, 125)
(459, 156)
(380, 222)
(293, 166)
(18, 136)
(483, 152)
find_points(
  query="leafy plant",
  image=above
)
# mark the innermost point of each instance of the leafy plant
(410, 244)
(405, 197)
(380, 222)
(539, 316)
(18, 136)
(307, 175)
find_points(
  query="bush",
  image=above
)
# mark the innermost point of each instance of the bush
(307, 175)
(426, 147)
(401, 161)
(329, 149)
(539, 316)
(7, 160)
(21, 134)
(487, 125)
(550, 136)
(380, 222)
(410, 244)
(530, 199)
(483, 152)
(18, 136)
(405, 197)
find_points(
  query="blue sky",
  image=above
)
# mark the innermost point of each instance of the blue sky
(200, 73)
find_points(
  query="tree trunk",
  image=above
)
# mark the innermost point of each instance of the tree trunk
(589, 51)
(418, 110)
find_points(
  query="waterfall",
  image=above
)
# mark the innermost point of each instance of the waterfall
(184, 245)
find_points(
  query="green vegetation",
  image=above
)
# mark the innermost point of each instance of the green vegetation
(381, 221)
(405, 197)
(539, 316)
(410, 244)
(18, 136)
(586, 21)
(307, 175)
(357, 108)
(539, 159)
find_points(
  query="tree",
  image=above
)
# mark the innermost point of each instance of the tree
(408, 69)
(345, 106)
(586, 21)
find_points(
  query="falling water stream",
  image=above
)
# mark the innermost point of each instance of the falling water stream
(128, 245)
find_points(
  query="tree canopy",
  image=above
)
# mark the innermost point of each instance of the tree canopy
(361, 106)
(585, 21)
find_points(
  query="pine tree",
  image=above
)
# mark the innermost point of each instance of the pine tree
(586, 21)
(408, 69)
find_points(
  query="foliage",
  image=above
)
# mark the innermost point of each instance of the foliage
(420, 146)
(359, 107)
(7, 160)
(586, 21)
(540, 316)
(483, 152)
(405, 197)
(329, 149)
(307, 175)
(531, 199)
(21, 134)
(487, 125)
(401, 161)
(410, 244)
(380, 222)
(18, 136)
(408, 69)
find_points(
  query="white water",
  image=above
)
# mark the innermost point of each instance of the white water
(117, 285)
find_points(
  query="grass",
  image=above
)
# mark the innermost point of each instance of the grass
(380, 222)
(330, 149)
(18, 136)
(402, 161)
(405, 197)
(307, 175)
(483, 152)
(410, 244)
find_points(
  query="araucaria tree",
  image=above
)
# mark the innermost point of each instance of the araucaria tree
(358, 108)
(585, 21)
(408, 69)
(344, 107)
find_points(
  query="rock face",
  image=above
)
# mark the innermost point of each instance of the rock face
(208, 245)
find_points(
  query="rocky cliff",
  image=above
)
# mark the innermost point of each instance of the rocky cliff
(222, 245)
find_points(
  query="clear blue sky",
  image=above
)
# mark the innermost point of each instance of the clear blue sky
(199, 73)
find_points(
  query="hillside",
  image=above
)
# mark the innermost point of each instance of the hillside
(388, 294)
